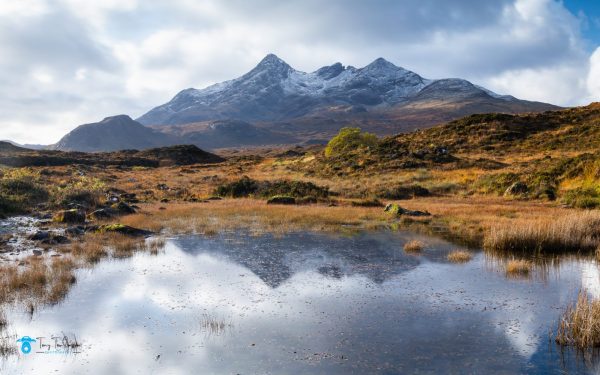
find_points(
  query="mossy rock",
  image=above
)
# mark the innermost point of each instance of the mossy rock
(123, 229)
(123, 208)
(73, 216)
(396, 210)
(281, 199)
(517, 188)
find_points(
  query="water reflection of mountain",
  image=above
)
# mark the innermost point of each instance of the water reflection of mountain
(276, 259)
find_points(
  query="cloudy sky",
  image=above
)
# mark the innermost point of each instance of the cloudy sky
(68, 62)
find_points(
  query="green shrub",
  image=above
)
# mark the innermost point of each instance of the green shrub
(83, 191)
(496, 183)
(246, 187)
(243, 187)
(20, 191)
(582, 198)
(350, 139)
(297, 189)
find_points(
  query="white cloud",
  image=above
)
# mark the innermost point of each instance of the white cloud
(563, 85)
(67, 62)
(593, 79)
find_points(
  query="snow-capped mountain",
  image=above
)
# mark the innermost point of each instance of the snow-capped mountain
(274, 92)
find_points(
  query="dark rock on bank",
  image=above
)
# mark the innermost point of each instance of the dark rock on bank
(396, 210)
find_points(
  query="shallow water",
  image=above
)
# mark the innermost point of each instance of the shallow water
(306, 304)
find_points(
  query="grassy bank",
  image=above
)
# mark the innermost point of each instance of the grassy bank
(255, 216)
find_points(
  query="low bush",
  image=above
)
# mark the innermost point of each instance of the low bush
(582, 198)
(246, 187)
(83, 191)
(20, 191)
(350, 139)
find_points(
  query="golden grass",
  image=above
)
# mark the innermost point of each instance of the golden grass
(459, 256)
(576, 231)
(44, 280)
(39, 280)
(413, 246)
(579, 325)
(518, 267)
(253, 215)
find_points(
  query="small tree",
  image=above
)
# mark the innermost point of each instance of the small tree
(349, 139)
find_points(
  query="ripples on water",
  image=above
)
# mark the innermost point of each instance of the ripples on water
(308, 303)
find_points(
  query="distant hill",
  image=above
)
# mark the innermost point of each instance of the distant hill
(29, 146)
(485, 141)
(14, 156)
(113, 134)
(575, 129)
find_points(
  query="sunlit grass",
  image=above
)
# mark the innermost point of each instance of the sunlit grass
(459, 256)
(518, 267)
(414, 246)
(579, 325)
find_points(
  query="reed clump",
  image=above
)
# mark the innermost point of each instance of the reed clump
(414, 246)
(579, 325)
(459, 256)
(578, 231)
(518, 267)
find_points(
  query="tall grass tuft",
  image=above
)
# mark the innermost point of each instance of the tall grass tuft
(414, 246)
(579, 326)
(459, 256)
(518, 267)
(571, 233)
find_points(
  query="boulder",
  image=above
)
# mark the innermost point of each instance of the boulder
(396, 210)
(102, 214)
(123, 229)
(40, 235)
(73, 216)
(281, 199)
(75, 231)
(517, 188)
(123, 208)
(49, 238)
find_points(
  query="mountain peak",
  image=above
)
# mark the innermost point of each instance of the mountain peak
(272, 61)
(380, 62)
(117, 118)
(271, 67)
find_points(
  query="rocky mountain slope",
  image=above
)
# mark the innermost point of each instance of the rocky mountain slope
(274, 92)
(226, 134)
